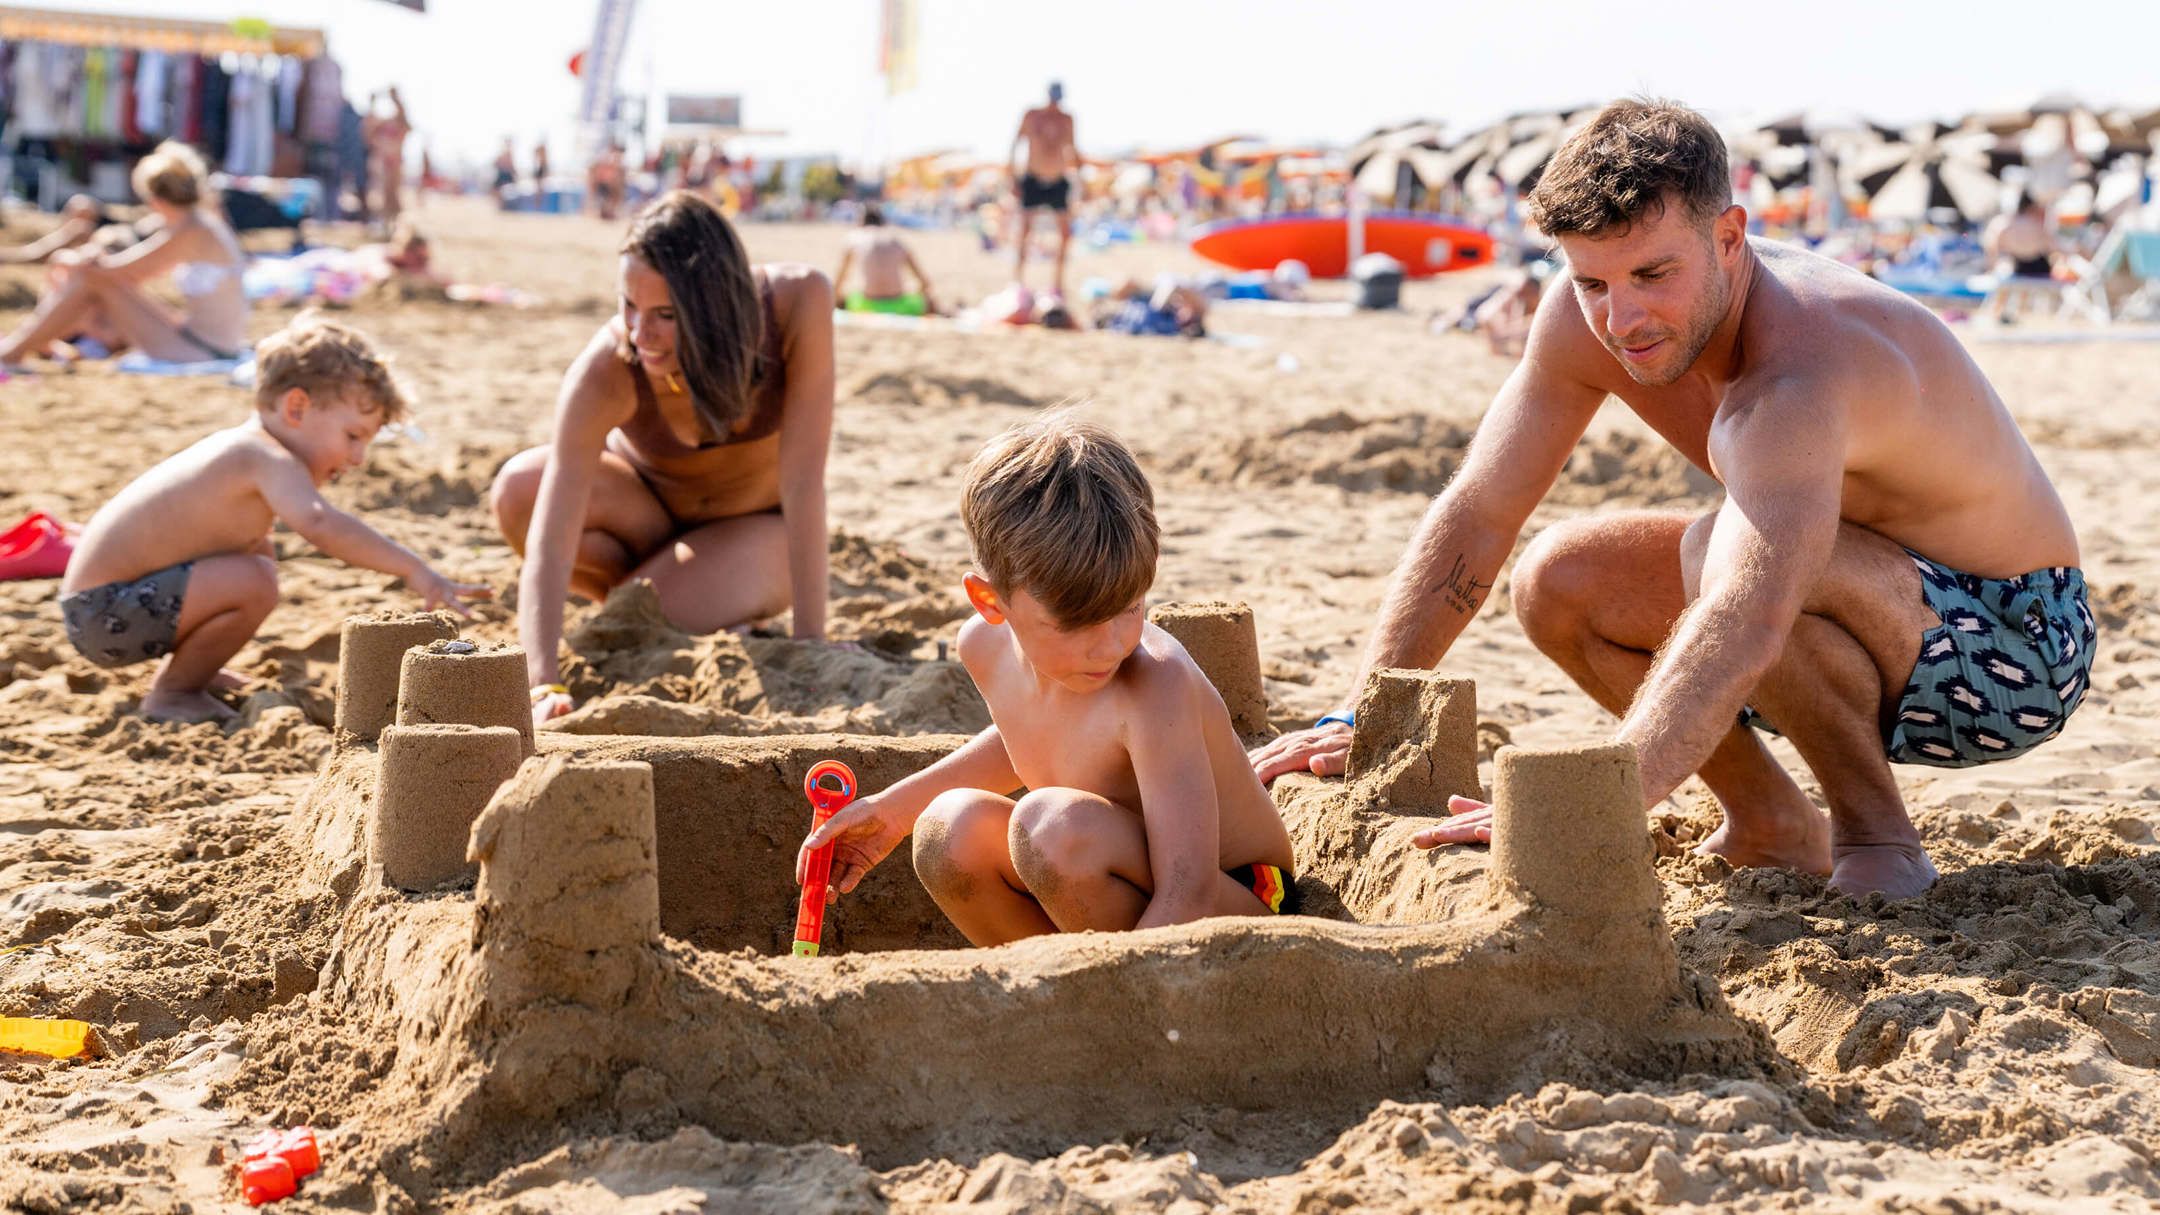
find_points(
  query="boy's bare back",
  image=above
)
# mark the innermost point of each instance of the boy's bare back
(209, 498)
(1058, 738)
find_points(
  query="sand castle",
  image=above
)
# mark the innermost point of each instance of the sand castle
(620, 959)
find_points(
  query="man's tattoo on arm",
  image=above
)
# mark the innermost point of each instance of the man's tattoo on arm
(1463, 592)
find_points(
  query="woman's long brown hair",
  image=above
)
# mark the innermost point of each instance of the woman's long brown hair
(719, 324)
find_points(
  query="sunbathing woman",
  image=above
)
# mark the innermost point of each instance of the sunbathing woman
(106, 292)
(689, 445)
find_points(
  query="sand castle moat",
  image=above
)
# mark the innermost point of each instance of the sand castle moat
(618, 960)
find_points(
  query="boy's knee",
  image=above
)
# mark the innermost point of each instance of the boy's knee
(1694, 549)
(1050, 835)
(259, 588)
(960, 834)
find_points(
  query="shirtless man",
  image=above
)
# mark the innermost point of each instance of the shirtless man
(1891, 577)
(1046, 182)
(2021, 252)
(884, 259)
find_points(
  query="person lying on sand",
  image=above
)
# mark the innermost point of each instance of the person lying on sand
(884, 257)
(179, 564)
(1890, 579)
(1141, 809)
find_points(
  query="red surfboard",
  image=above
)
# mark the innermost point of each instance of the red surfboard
(1424, 245)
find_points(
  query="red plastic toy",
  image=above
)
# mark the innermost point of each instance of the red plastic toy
(38, 547)
(817, 875)
(272, 1165)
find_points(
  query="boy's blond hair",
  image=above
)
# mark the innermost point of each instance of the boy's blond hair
(172, 173)
(329, 360)
(1059, 508)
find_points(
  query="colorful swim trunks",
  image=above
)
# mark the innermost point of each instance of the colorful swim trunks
(2001, 674)
(911, 304)
(1271, 885)
(121, 623)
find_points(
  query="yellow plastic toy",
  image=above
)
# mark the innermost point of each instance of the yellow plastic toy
(44, 1036)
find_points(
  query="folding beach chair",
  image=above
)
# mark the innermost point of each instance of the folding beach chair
(2127, 265)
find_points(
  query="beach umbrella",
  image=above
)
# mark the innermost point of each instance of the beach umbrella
(1517, 149)
(1933, 169)
(1377, 162)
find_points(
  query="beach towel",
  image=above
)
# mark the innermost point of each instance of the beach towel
(138, 363)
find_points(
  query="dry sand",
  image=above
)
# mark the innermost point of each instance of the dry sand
(1991, 1046)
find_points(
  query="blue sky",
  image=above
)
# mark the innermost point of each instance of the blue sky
(1168, 72)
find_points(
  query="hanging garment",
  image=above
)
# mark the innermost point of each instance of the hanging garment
(115, 100)
(130, 67)
(216, 94)
(38, 99)
(322, 96)
(289, 76)
(187, 99)
(95, 64)
(152, 84)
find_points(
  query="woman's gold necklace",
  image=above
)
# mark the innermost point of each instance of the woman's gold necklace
(673, 384)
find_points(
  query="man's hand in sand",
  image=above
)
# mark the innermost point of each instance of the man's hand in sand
(861, 836)
(1471, 824)
(437, 591)
(1322, 750)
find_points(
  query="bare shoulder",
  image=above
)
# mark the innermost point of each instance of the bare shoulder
(1160, 673)
(598, 381)
(797, 285)
(977, 637)
(1811, 319)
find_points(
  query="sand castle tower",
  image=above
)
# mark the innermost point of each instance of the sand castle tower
(1223, 643)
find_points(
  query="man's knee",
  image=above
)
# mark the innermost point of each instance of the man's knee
(960, 836)
(1694, 549)
(1050, 837)
(1555, 579)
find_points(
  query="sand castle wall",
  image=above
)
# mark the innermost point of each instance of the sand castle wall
(730, 814)
(567, 1001)
(370, 651)
(1221, 639)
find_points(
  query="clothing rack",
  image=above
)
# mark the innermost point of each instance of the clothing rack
(242, 37)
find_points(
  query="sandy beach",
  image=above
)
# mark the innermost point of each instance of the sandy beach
(1989, 1046)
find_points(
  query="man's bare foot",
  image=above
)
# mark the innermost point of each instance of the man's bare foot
(184, 707)
(1801, 843)
(1897, 871)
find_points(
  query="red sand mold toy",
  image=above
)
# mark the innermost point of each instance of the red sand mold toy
(273, 1163)
(38, 547)
(824, 803)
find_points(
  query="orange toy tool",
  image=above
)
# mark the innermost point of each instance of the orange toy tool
(825, 801)
(273, 1163)
(44, 1036)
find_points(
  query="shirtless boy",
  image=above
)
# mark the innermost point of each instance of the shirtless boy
(1046, 183)
(884, 259)
(1141, 808)
(179, 564)
(1890, 579)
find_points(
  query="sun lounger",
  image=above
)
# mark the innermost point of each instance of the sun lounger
(2127, 265)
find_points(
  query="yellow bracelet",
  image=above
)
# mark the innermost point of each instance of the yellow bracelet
(541, 692)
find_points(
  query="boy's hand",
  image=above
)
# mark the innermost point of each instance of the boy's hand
(437, 591)
(861, 836)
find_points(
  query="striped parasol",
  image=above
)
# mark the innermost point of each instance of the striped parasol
(1932, 170)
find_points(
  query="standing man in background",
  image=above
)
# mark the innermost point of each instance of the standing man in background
(1046, 183)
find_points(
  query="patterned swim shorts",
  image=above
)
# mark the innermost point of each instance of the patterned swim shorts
(122, 623)
(2001, 674)
(1270, 885)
